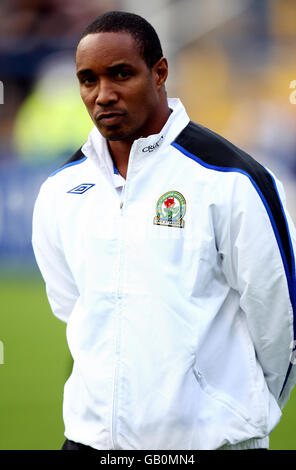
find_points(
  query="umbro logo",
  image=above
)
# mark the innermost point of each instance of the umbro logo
(82, 188)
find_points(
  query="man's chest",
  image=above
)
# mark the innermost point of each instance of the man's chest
(157, 228)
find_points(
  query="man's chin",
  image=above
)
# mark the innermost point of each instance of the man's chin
(113, 134)
(116, 138)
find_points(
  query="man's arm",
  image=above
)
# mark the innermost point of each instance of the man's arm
(61, 289)
(258, 262)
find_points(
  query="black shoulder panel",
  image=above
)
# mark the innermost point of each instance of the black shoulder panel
(78, 155)
(215, 150)
(216, 153)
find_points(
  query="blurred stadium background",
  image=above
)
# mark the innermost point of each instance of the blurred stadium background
(231, 62)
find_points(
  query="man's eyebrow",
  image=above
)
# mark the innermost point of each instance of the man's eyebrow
(82, 72)
(111, 68)
(119, 66)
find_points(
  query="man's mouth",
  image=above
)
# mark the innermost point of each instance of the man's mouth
(109, 118)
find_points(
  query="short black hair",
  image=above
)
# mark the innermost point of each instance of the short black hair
(139, 28)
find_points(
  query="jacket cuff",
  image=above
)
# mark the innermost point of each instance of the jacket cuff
(262, 443)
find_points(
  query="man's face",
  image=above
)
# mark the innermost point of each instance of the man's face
(120, 92)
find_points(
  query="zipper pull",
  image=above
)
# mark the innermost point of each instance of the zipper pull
(122, 197)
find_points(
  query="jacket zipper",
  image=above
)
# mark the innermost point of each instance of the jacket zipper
(118, 318)
(119, 300)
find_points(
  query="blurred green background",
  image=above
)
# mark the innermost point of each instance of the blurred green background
(36, 365)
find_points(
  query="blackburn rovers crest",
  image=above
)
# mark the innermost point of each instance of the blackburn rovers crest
(170, 210)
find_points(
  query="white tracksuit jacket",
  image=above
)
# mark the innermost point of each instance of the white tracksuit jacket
(179, 296)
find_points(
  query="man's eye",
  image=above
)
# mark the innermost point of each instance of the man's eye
(87, 80)
(122, 74)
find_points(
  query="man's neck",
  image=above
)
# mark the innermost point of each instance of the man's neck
(119, 151)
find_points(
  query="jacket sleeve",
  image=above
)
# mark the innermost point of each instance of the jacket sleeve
(61, 289)
(257, 248)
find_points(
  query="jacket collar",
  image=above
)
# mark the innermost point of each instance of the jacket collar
(97, 150)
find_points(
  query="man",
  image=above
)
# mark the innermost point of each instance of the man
(169, 253)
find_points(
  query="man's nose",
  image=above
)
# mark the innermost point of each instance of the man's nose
(106, 93)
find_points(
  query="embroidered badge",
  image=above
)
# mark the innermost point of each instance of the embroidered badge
(81, 188)
(170, 210)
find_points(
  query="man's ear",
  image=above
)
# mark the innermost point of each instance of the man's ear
(160, 71)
